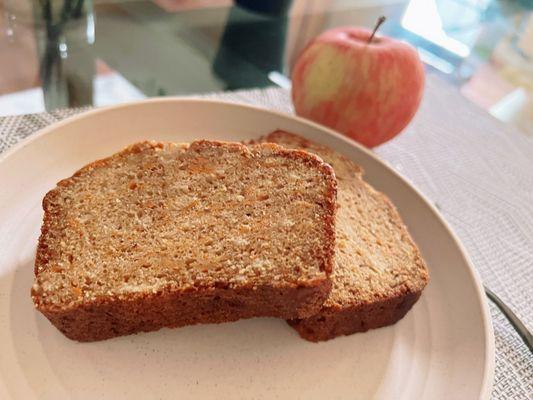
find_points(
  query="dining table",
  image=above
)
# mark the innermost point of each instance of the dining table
(476, 169)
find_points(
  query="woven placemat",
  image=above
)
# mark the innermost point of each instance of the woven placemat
(478, 172)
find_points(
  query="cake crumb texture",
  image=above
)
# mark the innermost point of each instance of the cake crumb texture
(165, 234)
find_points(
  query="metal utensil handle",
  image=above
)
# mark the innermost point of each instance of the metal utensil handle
(519, 327)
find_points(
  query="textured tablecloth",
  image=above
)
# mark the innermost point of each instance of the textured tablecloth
(478, 172)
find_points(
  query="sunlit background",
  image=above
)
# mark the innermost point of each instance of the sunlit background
(107, 52)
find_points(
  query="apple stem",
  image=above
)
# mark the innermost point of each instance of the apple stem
(378, 24)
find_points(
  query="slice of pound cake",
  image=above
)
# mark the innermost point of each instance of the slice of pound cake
(166, 235)
(378, 273)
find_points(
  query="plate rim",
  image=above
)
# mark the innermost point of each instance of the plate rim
(490, 362)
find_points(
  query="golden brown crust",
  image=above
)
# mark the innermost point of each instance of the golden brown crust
(379, 272)
(109, 317)
(280, 137)
(104, 317)
(333, 322)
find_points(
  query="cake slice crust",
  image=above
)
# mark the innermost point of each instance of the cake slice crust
(379, 272)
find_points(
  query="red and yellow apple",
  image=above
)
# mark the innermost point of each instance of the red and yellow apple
(366, 89)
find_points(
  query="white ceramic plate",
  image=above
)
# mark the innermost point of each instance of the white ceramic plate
(443, 348)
